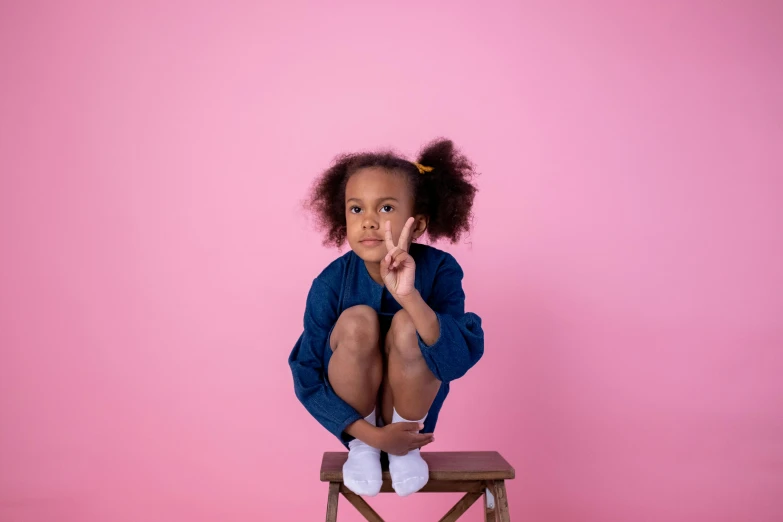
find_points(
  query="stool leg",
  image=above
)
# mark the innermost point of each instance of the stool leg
(501, 501)
(361, 505)
(489, 503)
(331, 504)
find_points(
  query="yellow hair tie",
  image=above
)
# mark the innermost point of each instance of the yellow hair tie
(422, 168)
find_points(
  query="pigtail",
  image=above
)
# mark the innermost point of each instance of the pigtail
(446, 193)
(440, 179)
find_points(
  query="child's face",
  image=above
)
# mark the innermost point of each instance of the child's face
(374, 196)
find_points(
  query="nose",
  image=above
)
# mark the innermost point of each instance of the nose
(371, 224)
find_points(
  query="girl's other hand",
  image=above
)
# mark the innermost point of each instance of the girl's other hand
(400, 437)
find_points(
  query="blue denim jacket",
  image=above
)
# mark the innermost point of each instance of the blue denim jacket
(346, 283)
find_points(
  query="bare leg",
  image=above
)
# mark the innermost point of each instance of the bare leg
(387, 398)
(413, 386)
(355, 372)
(356, 366)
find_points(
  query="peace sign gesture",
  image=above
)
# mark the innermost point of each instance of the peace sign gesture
(398, 267)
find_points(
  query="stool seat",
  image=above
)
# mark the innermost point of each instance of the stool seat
(475, 473)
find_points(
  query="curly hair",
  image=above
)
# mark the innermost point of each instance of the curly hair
(444, 194)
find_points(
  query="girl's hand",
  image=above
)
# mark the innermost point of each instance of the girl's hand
(401, 437)
(398, 268)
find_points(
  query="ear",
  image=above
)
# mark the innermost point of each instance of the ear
(419, 226)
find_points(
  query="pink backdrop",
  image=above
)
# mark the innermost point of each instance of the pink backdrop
(626, 256)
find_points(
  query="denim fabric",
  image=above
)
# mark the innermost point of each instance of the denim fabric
(346, 283)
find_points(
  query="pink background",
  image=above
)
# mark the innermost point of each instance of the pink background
(626, 256)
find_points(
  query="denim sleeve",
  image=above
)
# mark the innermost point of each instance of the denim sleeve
(461, 342)
(307, 364)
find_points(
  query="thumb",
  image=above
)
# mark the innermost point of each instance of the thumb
(413, 426)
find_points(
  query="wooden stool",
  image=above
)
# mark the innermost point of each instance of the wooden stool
(475, 473)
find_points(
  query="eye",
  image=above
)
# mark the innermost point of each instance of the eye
(389, 207)
(354, 210)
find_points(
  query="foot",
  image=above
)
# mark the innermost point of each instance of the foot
(409, 473)
(362, 470)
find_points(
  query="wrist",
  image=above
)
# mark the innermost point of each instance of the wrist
(409, 300)
(364, 431)
(424, 318)
(374, 437)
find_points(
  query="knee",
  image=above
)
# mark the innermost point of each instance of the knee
(359, 331)
(402, 337)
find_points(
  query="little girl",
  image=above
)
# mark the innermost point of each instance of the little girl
(385, 327)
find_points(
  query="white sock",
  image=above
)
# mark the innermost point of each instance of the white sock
(362, 470)
(409, 473)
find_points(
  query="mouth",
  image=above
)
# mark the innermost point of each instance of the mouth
(370, 242)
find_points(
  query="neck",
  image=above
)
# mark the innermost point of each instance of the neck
(374, 269)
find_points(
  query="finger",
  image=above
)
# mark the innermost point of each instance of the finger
(399, 258)
(412, 426)
(417, 445)
(388, 235)
(386, 261)
(422, 436)
(418, 438)
(391, 254)
(405, 234)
